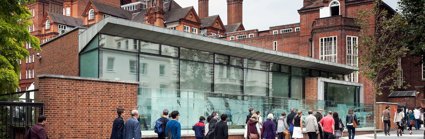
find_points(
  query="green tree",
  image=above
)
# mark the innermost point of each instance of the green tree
(396, 35)
(15, 19)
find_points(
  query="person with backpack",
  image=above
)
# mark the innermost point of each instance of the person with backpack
(199, 128)
(118, 125)
(37, 131)
(221, 129)
(160, 124)
(339, 126)
(173, 127)
(352, 123)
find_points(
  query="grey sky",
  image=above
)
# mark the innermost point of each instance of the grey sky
(256, 12)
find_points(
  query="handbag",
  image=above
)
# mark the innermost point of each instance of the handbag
(412, 123)
(354, 123)
(253, 136)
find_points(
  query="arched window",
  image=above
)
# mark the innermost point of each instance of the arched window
(91, 14)
(47, 26)
(334, 5)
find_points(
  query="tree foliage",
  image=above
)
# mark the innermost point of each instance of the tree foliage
(396, 35)
(15, 19)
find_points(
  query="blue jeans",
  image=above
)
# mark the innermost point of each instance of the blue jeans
(418, 124)
(351, 131)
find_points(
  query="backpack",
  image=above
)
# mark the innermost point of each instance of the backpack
(159, 126)
(341, 125)
(28, 134)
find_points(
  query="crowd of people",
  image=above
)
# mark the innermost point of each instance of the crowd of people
(403, 118)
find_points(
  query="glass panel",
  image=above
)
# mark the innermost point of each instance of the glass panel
(195, 76)
(279, 84)
(117, 65)
(285, 69)
(196, 55)
(335, 97)
(256, 82)
(148, 47)
(159, 72)
(169, 51)
(89, 64)
(93, 44)
(297, 85)
(228, 79)
(255, 64)
(112, 42)
(236, 61)
(274, 67)
(296, 71)
(221, 59)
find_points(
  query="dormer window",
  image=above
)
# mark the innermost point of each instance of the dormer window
(334, 5)
(91, 14)
(47, 26)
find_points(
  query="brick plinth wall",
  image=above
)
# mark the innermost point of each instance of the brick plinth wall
(380, 107)
(83, 108)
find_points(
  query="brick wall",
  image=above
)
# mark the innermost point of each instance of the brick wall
(60, 56)
(380, 107)
(83, 108)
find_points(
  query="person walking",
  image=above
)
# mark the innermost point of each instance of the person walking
(290, 122)
(298, 126)
(319, 117)
(339, 126)
(269, 128)
(37, 131)
(251, 110)
(411, 121)
(252, 131)
(398, 117)
(282, 127)
(118, 125)
(212, 121)
(222, 130)
(311, 125)
(132, 127)
(386, 120)
(160, 124)
(260, 120)
(173, 127)
(352, 123)
(417, 114)
(199, 128)
(328, 126)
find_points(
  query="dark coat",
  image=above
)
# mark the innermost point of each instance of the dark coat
(290, 118)
(132, 129)
(37, 132)
(211, 128)
(118, 128)
(269, 130)
(221, 130)
(199, 129)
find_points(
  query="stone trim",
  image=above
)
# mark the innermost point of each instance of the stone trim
(84, 79)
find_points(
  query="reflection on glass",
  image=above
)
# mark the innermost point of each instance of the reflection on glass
(297, 86)
(341, 94)
(228, 79)
(148, 47)
(117, 65)
(196, 55)
(169, 51)
(279, 84)
(195, 76)
(120, 43)
(256, 82)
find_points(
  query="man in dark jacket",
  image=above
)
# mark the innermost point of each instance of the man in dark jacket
(199, 128)
(118, 125)
(290, 119)
(319, 117)
(221, 129)
(37, 131)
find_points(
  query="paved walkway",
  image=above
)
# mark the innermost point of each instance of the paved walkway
(417, 134)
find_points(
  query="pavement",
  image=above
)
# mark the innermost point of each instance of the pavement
(416, 134)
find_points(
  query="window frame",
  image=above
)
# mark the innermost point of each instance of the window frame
(108, 68)
(186, 29)
(322, 51)
(275, 32)
(67, 11)
(251, 35)
(91, 14)
(47, 25)
(232, 38)
(275, 46)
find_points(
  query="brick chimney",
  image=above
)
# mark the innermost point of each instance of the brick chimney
(308, 2)
(234, 11)
(203, 8)
(155, 13)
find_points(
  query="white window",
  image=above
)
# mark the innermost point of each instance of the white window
(287, 30)
(297, 29)
(143, 68)
(62, 28)
(30, 59)
(275, 45)
(186, 28)
(29, 74)
(195, 30)
(133, 66)
(241, 37)
(32, 12)
(47, 26)
(33, 57)
(110, 64)
(161, 70)
(275, 32)
(172, 28)
(68, 11)
(31, 28)
(232, 38)
(26, 60)
(20, 75)
(26, 74)
(33, 73)
(352, 57)
(251, 35)
(328, 49)
(213, 34)
(91, 14)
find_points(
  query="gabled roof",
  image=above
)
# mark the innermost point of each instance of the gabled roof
(233, 27)
(170, 6)
(65, 20)
(111, 10)
(176, 14)
(315, 4)
(208, 21)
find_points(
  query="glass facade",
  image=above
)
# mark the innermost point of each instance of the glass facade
(197, 83)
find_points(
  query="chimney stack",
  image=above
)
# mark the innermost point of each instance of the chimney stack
(203, 8)
(234, 11)
(307, 2)
(155, 13)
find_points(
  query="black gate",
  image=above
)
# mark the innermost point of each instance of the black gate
(17, 117)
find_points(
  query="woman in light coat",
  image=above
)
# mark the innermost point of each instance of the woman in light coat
(282, 127)
(398, 117)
